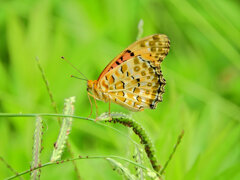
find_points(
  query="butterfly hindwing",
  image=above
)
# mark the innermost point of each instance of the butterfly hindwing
(134, 84)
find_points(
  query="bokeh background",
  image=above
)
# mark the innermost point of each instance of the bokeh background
(202, 72)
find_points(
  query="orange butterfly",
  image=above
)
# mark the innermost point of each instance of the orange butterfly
(134, 78)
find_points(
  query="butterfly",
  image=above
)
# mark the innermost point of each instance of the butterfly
(134, 78)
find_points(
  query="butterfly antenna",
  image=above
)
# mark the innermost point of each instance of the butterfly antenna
(75, 68)
(78, 78)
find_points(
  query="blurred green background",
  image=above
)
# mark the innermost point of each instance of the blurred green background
(202, 72)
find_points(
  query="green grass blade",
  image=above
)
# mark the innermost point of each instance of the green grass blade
(65, 129)
(121, 169)
(37, 139)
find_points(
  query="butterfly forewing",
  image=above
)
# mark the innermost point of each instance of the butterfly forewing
(153, 48)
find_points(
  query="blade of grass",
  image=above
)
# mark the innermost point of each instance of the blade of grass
(174, 150)
(121, 169)
(47, 86)
(65, 129)
(37, 140)
(10, 167)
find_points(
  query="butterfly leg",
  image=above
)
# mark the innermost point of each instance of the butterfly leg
(96, 106)
(90, 104)
(109, 110)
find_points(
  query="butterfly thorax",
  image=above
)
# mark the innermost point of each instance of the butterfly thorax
(96, 91)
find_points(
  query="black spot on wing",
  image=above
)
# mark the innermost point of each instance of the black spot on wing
(121, 70)
(134, 89)
(113, 78)
(152, 106)
(123, 84)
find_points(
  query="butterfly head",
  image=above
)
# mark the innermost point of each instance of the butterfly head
(91, 85)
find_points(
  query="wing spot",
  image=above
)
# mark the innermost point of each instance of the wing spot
(121, 70)
(155, 87)
(129, 102)
(156, 37)
(104, 84)
(150, 70)
(139, 99)
(144, 65)
(151, 43)
(123, 84)
(119, 85)
(136, 68)
(147, 92)
(143, 44)
(121, 93)
(136, 90)
(122, 99)
(131, 54)
(136, 60)
(113, 79)
(153, 49)
(143, 73)
(124, 68)
(149, 84)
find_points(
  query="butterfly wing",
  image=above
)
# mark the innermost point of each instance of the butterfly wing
(134, 78)
(135, 84)
(154, 48)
